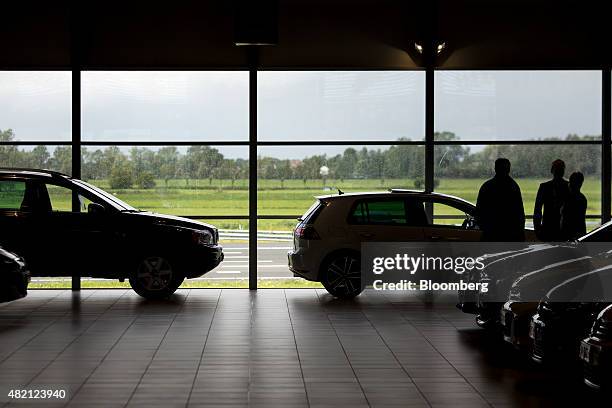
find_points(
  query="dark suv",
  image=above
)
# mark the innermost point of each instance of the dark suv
(63, 226)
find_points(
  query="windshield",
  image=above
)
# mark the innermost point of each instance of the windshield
(117, 203)
(601, 234)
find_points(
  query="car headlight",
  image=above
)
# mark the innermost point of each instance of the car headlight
(203, 237)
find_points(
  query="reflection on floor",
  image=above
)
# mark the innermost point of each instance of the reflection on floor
(283, 348)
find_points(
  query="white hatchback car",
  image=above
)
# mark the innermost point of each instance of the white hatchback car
(327, 240)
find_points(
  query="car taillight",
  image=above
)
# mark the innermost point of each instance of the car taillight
(306, 232)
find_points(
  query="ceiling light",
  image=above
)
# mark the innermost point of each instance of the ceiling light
(440, 47)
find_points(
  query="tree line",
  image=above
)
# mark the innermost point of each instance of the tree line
(141, 166)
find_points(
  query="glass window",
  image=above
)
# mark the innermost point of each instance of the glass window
(60, 197)
(35, 105)
(517, 105)
(177, 180)
(289, 177)
(57, 158)
(460, 170)
(165, 105)
(11, 194)
(445, 214)
(380, 212)
(360, 213)
(340, 105)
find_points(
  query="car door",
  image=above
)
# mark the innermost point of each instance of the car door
(25, 228)
(386, 220)
(13, 225)
(450, 223)
(85, 246)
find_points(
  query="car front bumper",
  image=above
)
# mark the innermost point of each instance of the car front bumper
(466, 301)
(15, 285)
(515, 318)
(596, 356)
(201, 260)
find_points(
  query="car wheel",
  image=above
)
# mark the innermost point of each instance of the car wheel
(341, 275)
(154, 278)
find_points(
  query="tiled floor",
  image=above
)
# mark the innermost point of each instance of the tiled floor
(285, 348)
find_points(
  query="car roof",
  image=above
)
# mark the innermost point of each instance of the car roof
(396, 192)
(32, 173)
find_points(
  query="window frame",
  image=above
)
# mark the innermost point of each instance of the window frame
(253, 67)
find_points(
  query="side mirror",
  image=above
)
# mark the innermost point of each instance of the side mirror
(469, 223)
(95, 208)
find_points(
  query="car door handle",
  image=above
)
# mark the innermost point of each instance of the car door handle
(366, 235)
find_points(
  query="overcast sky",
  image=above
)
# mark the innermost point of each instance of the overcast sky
(312, 106)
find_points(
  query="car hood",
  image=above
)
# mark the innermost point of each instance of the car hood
(606, 315)
(520, 262)
(532, 286)
(8, 256)
(172, 220)
(591, 287)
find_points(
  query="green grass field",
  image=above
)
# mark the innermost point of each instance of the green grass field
(291, 197)
(294, 197)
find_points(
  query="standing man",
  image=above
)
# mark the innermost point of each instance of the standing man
(499, 207)
(551, 196)
(573, 212)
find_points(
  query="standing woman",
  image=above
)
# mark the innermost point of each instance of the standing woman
(573, 212)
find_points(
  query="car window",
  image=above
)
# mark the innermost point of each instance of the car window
(84, 203)
(445, 215)
(60, 197)
(379, 212)
(12, 193)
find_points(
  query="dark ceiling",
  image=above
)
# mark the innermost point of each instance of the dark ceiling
(311, 34)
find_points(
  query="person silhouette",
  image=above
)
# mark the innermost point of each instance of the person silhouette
(499, 207)
(573, 211)
(551, 196)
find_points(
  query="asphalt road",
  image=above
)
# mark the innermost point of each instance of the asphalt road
(271, 261)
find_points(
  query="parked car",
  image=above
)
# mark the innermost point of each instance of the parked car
(528, 289)
(14, 277)
(500, 274)
(327, 239)
(504, 271)
(567, 313)
(596, 352)
(64, 226)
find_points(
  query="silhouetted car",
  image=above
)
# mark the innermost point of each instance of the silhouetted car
(504, 271)
(14, 277)
(64, 226)
(566, 314)
(528, 289)
(596, 352)
(327, 239)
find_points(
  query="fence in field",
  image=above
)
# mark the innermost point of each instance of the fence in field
(287, 236)
(283, 236)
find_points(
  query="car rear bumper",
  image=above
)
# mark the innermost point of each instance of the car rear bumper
(302, 265)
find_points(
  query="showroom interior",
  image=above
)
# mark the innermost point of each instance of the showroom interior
(237, 114)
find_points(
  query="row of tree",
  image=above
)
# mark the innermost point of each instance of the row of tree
(142, 166)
